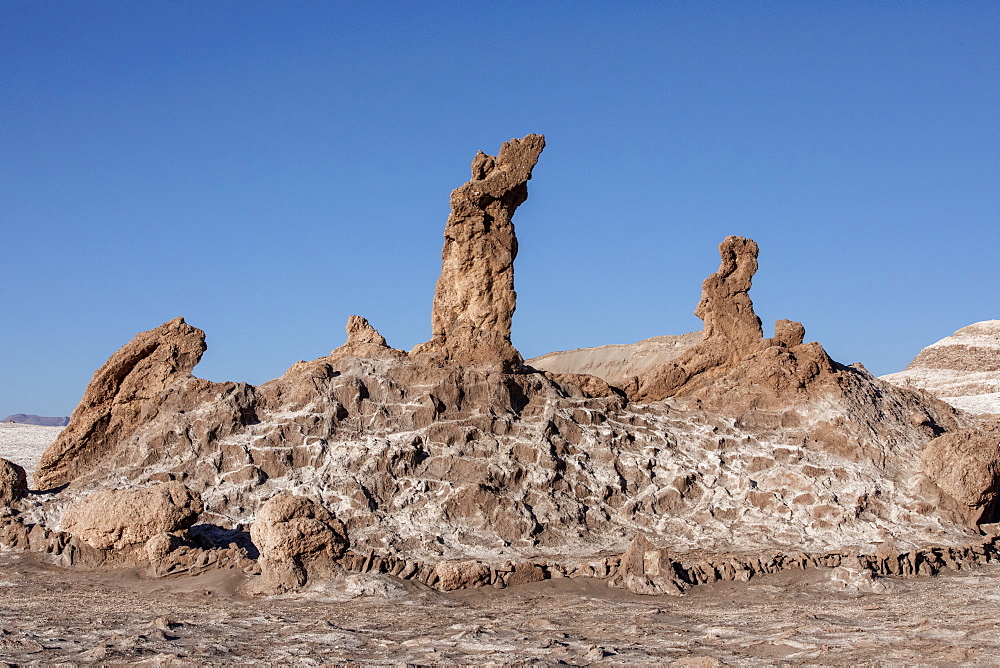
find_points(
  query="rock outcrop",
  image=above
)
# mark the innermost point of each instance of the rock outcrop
(363, 340)
(119, 519)
(297, 538)
(124, 394)
(474, 299)
(733, 335)
(13, 483)
(962, 369)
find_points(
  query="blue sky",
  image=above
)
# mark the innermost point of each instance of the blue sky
(265, 169)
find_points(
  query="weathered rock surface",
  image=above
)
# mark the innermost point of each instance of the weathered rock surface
(117, 519)
(966, 465)
(13, 482)
(297, 537)
(962, 369)
(474, 298)
(123, 395)
(617, 364)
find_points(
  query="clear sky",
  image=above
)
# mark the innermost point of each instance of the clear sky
(266, 169)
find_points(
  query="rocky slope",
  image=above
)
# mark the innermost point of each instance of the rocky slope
(457, 464)
(962, 369)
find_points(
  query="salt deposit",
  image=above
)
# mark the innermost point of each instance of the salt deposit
(24, 443)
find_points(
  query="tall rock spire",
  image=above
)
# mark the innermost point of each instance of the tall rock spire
(474, 299)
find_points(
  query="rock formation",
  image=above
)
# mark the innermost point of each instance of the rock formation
(13, 483)
(962, 369)
(965, 464)
(123, 394)
(363, 340)
(117, 519)
(444, 463)
(474, 298)
(297, 537)
(732, 334)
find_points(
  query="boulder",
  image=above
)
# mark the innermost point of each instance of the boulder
(118, 519)
(456, 574)
(297, 538)
(644, 569)
(13, 482)
(965, 464)
(474, 298)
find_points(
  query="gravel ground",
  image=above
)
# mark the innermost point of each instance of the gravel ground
(49, 615)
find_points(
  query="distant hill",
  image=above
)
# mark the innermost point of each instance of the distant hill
(617, 363)
(38, 420)
(962, 369)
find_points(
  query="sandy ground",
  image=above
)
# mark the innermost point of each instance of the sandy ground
(24, 444)
(49, 615)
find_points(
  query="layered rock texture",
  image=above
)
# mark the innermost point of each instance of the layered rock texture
(455, 465)
(962, 369)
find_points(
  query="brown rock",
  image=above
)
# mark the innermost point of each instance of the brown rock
(966, 465)
(297, 537)
(116, 519)
(734, 365)
(789, 333)
(725, 304)
(461, 575)
(644, 569)
(13, 482)
(474, 299)
(363, 340)
(732, 329)
(123, 393)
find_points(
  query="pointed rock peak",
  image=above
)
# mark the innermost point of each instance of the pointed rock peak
(474, 299)
(725, 306)
(359, 330)
(363, 340)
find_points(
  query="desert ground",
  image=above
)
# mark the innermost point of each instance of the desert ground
(50, 615)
